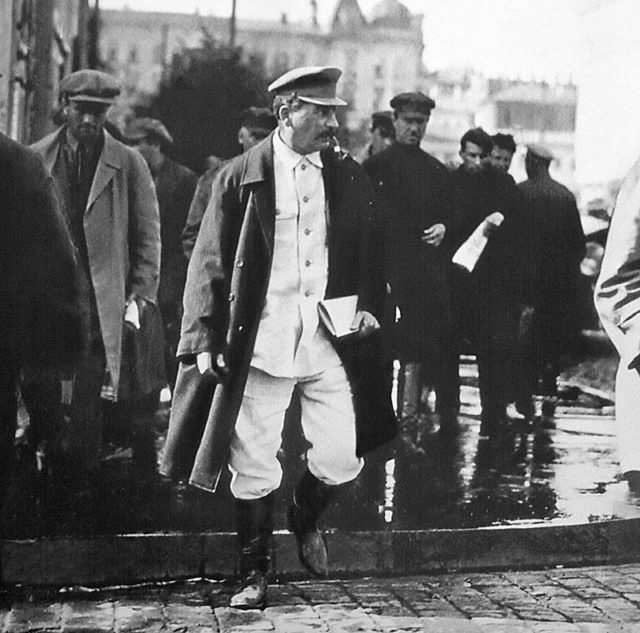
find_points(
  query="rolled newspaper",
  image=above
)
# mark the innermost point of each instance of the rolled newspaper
(469, 252)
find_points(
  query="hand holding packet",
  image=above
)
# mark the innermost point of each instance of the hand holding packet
(337, 315)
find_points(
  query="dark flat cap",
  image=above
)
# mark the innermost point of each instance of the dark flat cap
(144, 127)
(313, 84)
(416, 100)
(540, 151)
(90, 85)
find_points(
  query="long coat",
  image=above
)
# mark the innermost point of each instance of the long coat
(556, 247)
(39, 312)
(226, 288)
(122, 234)
(414, 192)
(175, 186)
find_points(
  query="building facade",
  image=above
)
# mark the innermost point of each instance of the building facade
(380, 54)
(534, 113)
(40, 42)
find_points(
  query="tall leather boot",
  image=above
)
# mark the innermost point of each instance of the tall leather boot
(255, 527)
(309, 501)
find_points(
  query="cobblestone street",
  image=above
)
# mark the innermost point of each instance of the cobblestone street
(589, 600)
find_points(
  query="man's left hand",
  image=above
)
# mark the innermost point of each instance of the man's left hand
(364, 323)
(434, 234)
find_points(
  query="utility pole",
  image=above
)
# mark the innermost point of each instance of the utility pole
(232, 24)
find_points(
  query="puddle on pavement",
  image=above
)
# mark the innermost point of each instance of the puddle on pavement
(559, 471)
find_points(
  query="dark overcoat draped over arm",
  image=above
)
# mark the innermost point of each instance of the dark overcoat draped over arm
(39, 315)
(226, 287)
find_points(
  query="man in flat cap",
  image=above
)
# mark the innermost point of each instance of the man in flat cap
(290, 223)
(487, 299)
(382, 131)
(414, 191)
(175, 185)
(556, 247)
(112, 211)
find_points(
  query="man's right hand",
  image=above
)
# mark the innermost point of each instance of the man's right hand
(204, 361)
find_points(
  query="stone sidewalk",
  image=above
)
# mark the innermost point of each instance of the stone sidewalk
(588, 600)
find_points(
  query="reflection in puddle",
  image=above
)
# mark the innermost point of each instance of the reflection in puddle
(556, 471)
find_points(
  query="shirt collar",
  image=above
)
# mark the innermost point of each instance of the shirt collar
(290, 158)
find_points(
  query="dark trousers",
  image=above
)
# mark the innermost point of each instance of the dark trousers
(8, 415)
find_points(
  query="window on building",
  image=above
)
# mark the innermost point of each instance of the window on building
(378, 71)
(133, 55)
(112, 55)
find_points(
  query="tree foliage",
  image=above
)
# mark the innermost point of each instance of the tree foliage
(201, 96)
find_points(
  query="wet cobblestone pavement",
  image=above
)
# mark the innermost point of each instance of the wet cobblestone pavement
(585, 600)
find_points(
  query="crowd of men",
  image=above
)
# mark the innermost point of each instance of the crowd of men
(259, 241)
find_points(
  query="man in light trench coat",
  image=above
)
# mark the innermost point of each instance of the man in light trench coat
(290, 222)
(112, 213)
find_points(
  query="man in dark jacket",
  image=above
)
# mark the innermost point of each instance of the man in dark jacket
(487, 298)
(290, 222)
(556, 248)
(175, 185)
(39, 309)
(414, 192)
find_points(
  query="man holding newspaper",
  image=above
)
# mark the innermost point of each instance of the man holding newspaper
(489, 278)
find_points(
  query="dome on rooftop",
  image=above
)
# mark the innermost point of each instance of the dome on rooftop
(391, 13)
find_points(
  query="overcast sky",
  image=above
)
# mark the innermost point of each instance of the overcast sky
(512, 38)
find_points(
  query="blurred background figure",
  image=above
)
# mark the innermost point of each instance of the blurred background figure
(175, 185)
(556, 246)
(504, 147)
(383, 132)
(111, 208)
(39, 311)
(255, 125)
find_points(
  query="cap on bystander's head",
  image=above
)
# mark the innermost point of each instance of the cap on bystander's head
(540, 152)
(312, 84)
(151, 129)
(92, 86)
(414, 100)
